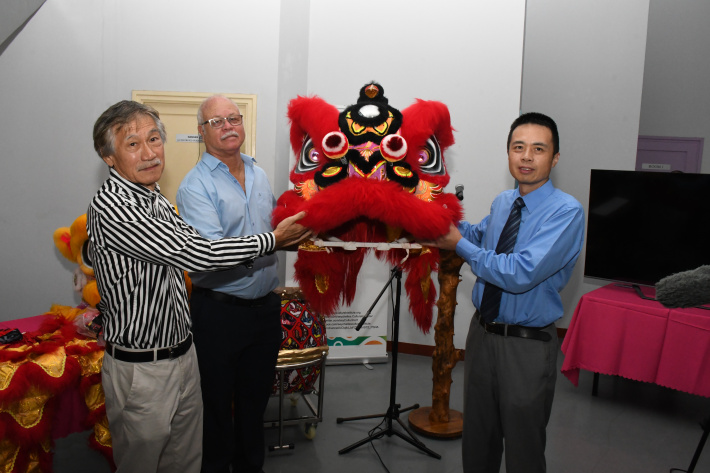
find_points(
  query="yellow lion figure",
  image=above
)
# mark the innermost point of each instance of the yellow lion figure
(73, 243)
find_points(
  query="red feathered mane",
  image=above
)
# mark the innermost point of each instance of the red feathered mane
(369, 174)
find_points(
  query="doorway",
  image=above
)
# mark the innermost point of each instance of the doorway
(668, 154)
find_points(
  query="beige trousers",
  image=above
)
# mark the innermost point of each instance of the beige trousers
(154, 412)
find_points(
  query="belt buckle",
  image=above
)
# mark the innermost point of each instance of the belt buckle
(171, 352)
(491, 324)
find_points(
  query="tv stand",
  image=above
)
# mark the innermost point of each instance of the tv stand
(636, 288)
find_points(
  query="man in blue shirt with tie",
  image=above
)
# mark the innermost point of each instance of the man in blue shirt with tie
(511, 348)
(236, 319)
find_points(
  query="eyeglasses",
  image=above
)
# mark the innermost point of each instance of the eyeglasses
(235, 120)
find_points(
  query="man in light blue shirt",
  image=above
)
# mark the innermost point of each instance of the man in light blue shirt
(236, 320)
(510, 368)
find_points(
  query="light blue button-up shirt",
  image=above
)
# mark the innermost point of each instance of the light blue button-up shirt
(211, 200)
(549, 242)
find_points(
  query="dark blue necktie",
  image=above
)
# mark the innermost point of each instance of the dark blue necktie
(490, 302)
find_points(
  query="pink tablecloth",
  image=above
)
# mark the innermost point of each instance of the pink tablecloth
(27, 324)
(614, 331)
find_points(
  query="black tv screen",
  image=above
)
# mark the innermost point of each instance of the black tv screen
(643, 226)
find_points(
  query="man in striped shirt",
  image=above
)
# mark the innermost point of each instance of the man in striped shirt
(140, 247)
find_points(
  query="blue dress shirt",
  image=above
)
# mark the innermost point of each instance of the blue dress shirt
(211, 200)
(549, 242)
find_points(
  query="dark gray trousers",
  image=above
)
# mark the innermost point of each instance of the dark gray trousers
(509, 384)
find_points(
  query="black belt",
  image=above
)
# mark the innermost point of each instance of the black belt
(230, 299)
(144, 356)
(507, 330)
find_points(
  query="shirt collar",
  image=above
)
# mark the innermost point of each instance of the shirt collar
(536, 197)
(212, 163)
(132, 187)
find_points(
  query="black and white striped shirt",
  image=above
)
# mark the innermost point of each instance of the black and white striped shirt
(139, 247)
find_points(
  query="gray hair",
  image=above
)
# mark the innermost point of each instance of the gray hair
(200, 111)
(116, 117)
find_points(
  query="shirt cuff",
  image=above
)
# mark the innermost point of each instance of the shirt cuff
(270, 243)
(466, 249)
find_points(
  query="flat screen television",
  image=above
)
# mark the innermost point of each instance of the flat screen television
(643, 226)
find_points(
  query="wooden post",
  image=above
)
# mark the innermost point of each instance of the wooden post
(438, 420)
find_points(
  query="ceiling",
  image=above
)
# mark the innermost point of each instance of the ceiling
(14, 15)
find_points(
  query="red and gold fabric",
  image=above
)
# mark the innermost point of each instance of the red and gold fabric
(34, 372)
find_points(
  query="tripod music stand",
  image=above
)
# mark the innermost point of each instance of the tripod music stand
(393, 410)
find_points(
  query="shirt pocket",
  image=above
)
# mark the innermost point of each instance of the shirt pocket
(263, 207)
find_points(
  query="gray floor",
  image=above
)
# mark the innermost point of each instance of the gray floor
(629, 427)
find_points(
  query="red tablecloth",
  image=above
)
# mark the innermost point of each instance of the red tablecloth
(616, 332)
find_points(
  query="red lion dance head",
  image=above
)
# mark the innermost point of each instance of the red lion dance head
(369, 174)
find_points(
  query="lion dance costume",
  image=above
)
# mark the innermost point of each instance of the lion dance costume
(369, 174)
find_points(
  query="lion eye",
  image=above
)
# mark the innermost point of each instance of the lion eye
(430, 159)
(335, 145)
(310, 158)
(393, 148)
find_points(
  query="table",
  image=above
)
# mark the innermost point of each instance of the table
(50, 386)
(614, 331)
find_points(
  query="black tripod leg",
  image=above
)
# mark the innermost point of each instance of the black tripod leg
(414, 406)
(369, 438)
(389, 432)
(410, 433)
(417, 444)
(340, 420)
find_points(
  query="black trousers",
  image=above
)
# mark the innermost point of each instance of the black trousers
(237, 348)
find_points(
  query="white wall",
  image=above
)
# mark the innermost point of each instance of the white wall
(676, 95)
(465, 54)
(73, 60)
(280, 49)
(292, 81)
(583, 66)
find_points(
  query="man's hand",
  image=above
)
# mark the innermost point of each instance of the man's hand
(445, 242)
(289, 233)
